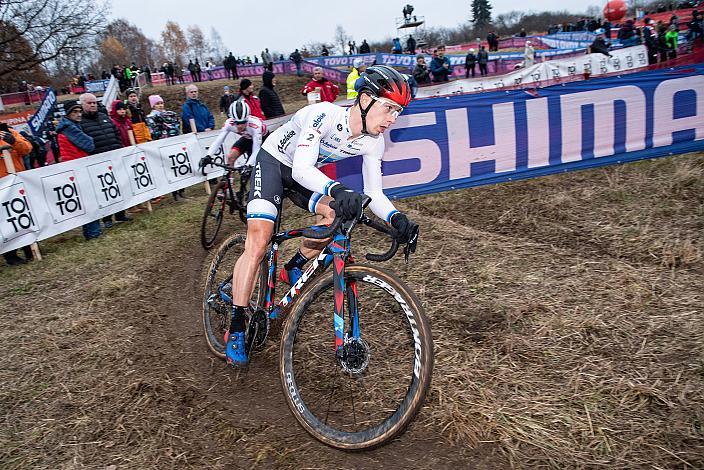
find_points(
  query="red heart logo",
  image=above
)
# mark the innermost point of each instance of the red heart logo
(142, 158)
(110, 168)
(183, 148)
(22, 191)
(71, 178)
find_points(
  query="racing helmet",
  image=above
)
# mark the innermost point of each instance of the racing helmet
(384, 82)
(239, 111)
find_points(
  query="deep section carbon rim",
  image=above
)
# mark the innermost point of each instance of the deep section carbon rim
(356, 410)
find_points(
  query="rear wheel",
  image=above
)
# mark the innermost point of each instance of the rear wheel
(213, 215)
(217, 299)
(369, 390)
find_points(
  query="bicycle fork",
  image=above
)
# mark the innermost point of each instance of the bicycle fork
(351, 350)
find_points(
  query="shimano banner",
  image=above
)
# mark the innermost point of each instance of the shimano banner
(39, 118)
(440, 144)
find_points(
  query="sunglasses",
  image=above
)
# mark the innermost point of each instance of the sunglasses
(392, 109)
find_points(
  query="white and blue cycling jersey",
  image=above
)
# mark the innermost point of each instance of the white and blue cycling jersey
(319, 134)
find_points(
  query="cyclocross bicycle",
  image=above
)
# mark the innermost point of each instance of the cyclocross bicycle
(222, 198)
(356, 351)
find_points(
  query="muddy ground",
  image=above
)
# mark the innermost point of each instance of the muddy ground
(567, 312)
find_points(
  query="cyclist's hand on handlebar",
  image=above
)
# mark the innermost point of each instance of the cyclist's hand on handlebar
(348, 203)
(407, 229)
(207, 160)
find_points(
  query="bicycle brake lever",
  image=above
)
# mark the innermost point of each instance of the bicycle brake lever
(411, 245)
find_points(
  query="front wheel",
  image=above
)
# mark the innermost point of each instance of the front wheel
(213, 215)
(367, 391)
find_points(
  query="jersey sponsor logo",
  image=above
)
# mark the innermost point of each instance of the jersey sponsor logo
(318, 120)
(348, 152)
(258, 181)
(253, 125)
(283, 143)
(339, 128)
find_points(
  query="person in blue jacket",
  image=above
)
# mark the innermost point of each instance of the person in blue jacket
(194, 109)
(440, 66)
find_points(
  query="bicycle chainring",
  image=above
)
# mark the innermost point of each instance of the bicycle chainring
(354, 356)
(257, 330)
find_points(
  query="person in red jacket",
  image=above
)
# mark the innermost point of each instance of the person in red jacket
(327, 89)
(73, 142)
(118, 114)
(247, 94)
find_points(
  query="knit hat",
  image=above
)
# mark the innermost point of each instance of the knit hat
(154, 99)
(226, 88)
(120, 105)
(131, 91)
(245, 83)
(356, 63)
(71, 105)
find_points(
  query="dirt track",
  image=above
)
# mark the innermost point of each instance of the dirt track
(567, 314)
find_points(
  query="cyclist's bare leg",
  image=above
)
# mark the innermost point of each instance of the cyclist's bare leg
(245, 272)
(232, 156)
(311, 247)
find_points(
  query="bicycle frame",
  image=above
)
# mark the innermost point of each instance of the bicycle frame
(335, 253)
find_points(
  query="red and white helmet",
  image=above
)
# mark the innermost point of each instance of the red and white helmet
(384, 82)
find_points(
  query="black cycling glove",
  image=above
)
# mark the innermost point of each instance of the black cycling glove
(348, 203)
(207, 160)
(407, 229)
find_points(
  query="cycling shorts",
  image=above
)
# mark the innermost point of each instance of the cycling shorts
(244, 144)
(271, 180)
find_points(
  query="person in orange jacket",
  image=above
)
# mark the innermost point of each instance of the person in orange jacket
(20, 148)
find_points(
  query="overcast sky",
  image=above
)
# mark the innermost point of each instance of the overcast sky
(247, 27)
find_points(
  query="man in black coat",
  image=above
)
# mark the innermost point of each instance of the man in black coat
(271, 104)
(364, 47)
(105, 136)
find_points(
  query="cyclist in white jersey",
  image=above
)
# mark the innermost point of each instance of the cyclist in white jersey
(317, 134)
(251, 129)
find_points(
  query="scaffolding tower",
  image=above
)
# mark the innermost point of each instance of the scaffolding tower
(413, 26)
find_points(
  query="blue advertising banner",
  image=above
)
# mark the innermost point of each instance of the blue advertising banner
(440, 144)
(39, 118)
(97, 86)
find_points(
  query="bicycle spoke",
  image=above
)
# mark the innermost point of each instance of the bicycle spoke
(332, 393)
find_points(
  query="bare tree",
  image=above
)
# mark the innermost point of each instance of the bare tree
(173, 40)
(593, 11)
(217, 48)
(140, 49)
(341, 38)
(196, 41)
(507, 21)
(315, 48)
(112, 51)
(38, 32)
